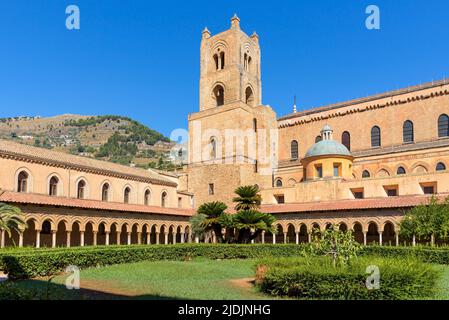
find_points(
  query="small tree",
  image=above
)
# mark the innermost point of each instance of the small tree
(340, 245)
(248, 198)
(251, 223)
(215, 216)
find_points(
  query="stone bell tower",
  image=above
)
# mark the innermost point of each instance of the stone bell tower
(229, 133)
(230, 68)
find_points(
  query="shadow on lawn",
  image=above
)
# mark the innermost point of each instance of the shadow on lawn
(44, 290)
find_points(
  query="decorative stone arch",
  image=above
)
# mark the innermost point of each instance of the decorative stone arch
(401, 165)
(30, 181)
(372, 229)
(291, 233)
(65, 221)
(29, 234)
(358, 230)
(110, 190)
(278, 182)
(164, 200)
(303, 233)
(219, 52)
(249, 95)
(126, 187)
(440, 162)
(291, 182)
(420, 167)
(218, 93)
(343, 226)
(86, 187)
(383, 173)
(147, 191)
(60, 189)
(89, 221)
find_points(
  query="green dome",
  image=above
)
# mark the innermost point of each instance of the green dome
(327, 147)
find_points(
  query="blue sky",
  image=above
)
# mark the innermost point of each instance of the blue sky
(141, 58)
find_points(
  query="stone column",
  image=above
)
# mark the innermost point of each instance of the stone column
(21, 239)
(214, 238)
(69, 233)
(38, 238)
(107, 238)
(263, 236)
(95, 234)
(174, 237)
(364, 238)
(380, 237)
(119, 233)
(166, 238)
(2, 239)
(139, 237)
(129, 238)
(309, 237)
(148, 239)
(274, 238)
(82, 238)
(157, 238)
(182, 237)
(414, 241)
(285, 237)
(397, 239)
(53, 238)
(297, 237)
(197, 239)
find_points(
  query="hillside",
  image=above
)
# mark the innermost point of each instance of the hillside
(111, 138)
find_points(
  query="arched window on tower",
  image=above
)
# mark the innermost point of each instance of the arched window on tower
(278, 183)
(216, 61)
(22, 182)
(407, 132)
(346, 140)
(443, 126)
(126, 194)
(400, 171)
(219, 95)
(375, 137)
(81, 189)
(441, 167)
(53, 186)
(105, 192)
(222, 59)
(249, 96)
(294, 150)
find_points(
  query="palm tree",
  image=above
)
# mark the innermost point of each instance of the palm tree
(248, 198)
(215, 217)
(11, 219)
(251, 223)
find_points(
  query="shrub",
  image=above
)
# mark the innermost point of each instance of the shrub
(436, 255)
(26, 263)
(317, 278)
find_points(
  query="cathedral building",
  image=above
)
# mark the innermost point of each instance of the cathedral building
(359, 164)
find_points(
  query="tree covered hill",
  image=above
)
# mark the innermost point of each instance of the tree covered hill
(110, 137)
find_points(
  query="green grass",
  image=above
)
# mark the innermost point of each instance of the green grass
(198, 279)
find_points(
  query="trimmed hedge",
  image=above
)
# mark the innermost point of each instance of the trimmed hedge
(436, 255)
(24, 263)
(317, 278)
(28, 264)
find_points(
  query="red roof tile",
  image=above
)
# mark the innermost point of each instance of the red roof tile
(40, 199)
(343, 205)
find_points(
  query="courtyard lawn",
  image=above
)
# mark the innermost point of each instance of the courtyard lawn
(196, 279)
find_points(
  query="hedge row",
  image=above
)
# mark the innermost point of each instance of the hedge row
(317, 278)
(30, 264)
(436, 255)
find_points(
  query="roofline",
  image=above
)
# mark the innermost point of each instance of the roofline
(348, 103)
(55, 162)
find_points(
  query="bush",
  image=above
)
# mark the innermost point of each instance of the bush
(8, 291)
(317, 278)
(436, 255)
(27, 263)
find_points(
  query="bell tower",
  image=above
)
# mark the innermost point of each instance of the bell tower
(230, 68)
(230, 141)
